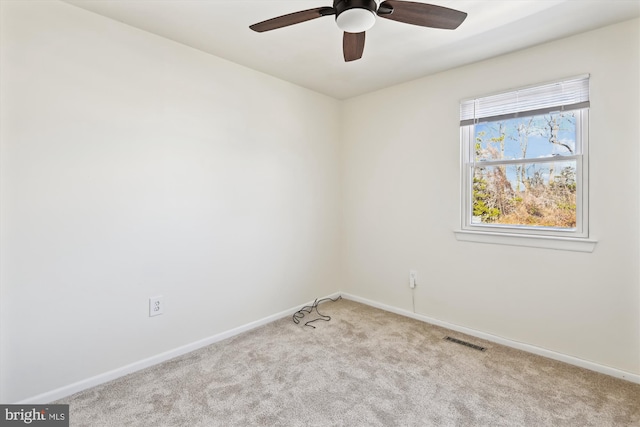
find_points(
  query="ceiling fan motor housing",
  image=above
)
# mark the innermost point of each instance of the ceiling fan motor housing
(355, 16)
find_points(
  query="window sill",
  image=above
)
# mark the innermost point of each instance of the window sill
(532, 241)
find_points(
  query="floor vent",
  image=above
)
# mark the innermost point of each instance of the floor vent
(467, 344)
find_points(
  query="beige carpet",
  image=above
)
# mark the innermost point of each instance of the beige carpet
(365, 367)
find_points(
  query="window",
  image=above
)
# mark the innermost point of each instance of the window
(524, 164)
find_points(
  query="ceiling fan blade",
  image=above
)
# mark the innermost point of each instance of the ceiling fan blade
(425, 15)
(292, 18)
(352, 46)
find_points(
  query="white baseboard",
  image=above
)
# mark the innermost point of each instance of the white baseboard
(76, 387)
(607, 370)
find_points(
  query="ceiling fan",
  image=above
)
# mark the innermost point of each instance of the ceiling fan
(354, 17)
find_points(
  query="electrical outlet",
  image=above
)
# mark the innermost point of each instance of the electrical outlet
(413, 278)
(156, 306)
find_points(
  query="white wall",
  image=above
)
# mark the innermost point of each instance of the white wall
(401, 204)
(133, 166)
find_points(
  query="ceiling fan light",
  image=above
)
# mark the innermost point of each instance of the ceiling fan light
(356, 20)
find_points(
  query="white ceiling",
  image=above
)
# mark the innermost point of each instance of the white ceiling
(310, 54)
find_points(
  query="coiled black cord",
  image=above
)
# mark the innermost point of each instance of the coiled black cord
(298, 315)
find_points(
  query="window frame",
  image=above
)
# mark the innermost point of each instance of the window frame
(521, 235)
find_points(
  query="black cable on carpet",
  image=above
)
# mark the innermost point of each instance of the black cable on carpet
(307, 309)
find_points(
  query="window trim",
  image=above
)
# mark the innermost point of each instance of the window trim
(576, 239)
(575, 244)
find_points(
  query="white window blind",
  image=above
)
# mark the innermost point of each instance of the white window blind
(570, 94)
